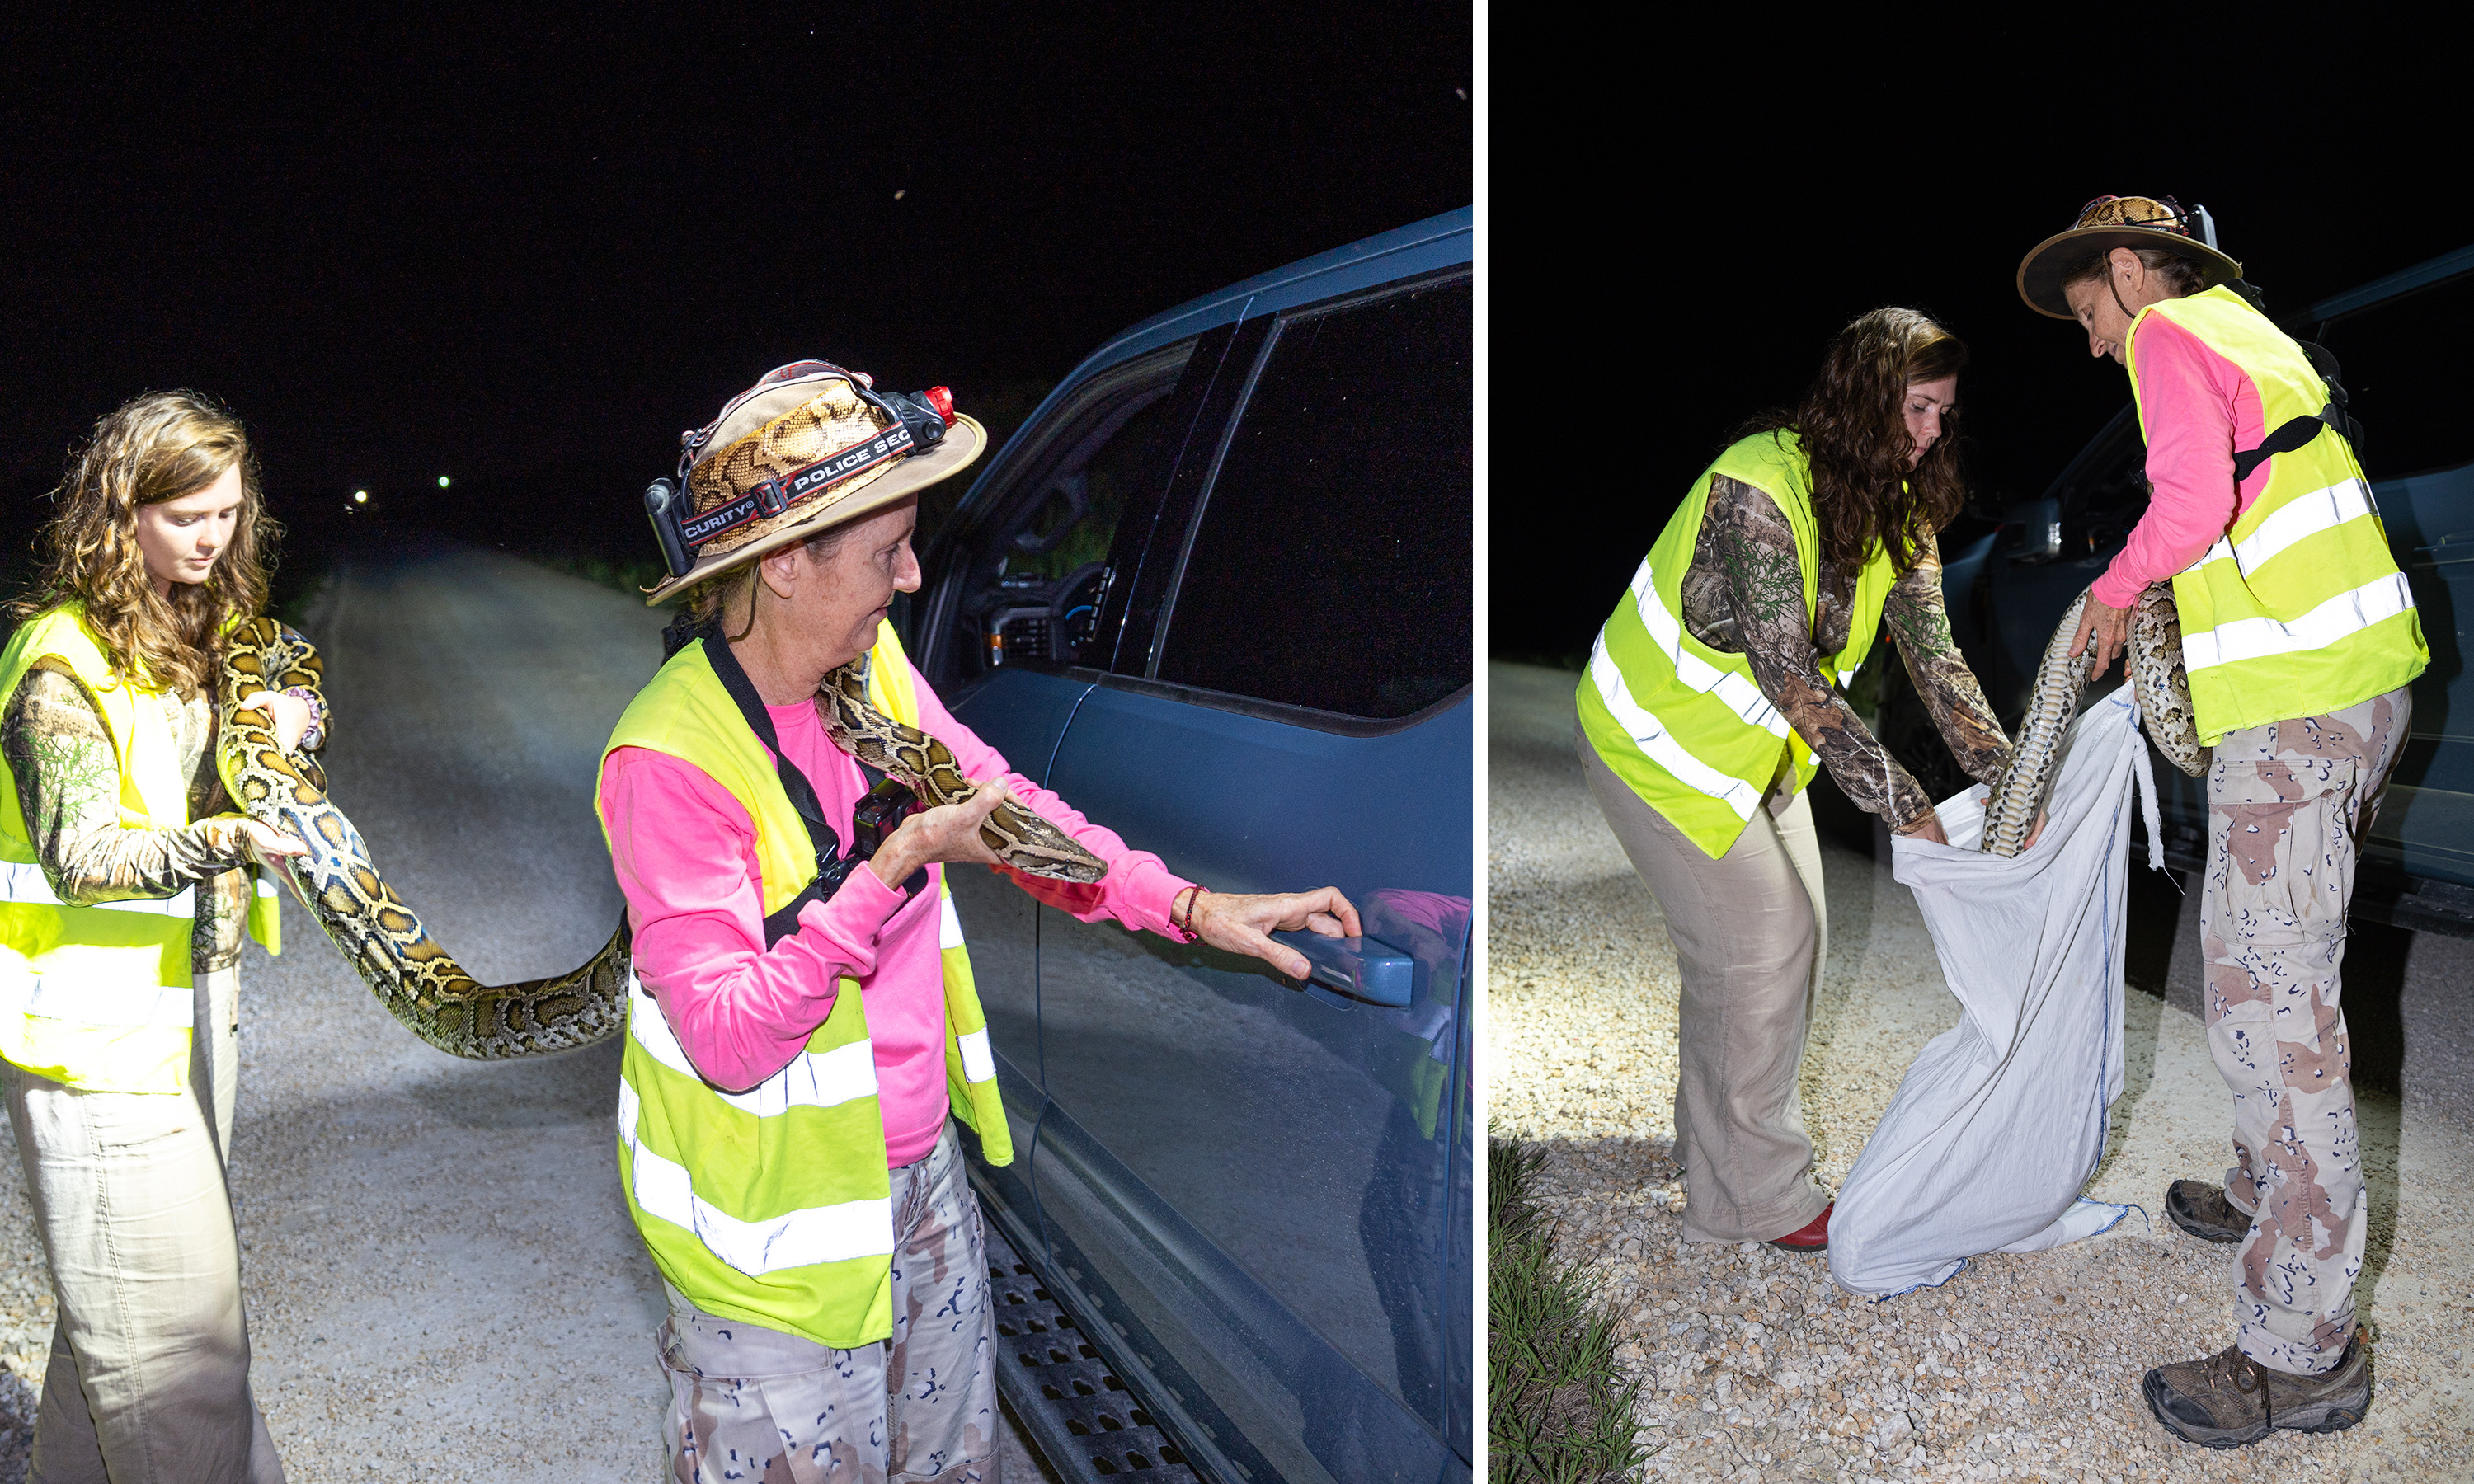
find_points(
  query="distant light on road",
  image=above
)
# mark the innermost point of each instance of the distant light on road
(442, 481)
(360, 497)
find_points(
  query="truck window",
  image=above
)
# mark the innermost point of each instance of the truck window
(2412, 417)
(1331, 566)
(1037, 598)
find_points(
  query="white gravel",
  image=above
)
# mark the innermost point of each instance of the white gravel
(1756, 1367)
(440, 1277)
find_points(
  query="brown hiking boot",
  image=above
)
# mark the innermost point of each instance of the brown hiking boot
(2227, 1399)
(2202, 1210)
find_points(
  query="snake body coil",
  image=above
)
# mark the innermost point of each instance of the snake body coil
(382, 938)
(416, 979)
(918, 761)
(2158, 683)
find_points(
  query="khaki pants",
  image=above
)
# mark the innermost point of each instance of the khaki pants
(149, 1375)
(2287, 806)
(1750, 932)
(751, 1403)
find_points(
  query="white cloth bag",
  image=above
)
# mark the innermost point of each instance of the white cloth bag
(2003, 1118)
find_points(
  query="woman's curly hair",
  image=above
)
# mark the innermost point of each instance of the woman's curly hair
(1864, 496)
(154, 447)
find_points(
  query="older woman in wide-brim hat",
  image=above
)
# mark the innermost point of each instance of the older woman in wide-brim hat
(2300, 638)
(810, 1020)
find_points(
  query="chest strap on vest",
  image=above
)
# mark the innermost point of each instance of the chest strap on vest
(833, 869)
(821, 838)
(2294, 434)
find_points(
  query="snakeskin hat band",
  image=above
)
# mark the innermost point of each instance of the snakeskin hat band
(809, 448)
(2106, 223)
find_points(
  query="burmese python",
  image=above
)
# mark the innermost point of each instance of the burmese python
(382, 938)
(2158, 683)
(415, 978)
(922, 764)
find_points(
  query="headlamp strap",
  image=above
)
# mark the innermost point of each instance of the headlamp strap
(774, 495)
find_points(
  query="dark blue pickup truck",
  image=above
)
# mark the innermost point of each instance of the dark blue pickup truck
(2007, 589)
(1217, 593)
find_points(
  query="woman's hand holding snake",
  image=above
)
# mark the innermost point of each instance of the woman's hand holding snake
(290, 713)
(1242, 923)
(944, 833)
(266, 845)
(2107, 628)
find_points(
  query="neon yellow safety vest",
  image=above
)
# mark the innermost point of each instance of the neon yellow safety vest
(1685, 725)
(775, 1205)
(2299, 610)
(99, 998)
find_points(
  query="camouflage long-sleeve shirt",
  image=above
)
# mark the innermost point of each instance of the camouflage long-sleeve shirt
(1744, 595)
(60, 756)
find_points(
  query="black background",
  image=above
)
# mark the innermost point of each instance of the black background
(1752, 192)
(524, 253)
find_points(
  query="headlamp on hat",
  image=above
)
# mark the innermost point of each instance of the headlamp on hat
(807, 447)
(2141, 223)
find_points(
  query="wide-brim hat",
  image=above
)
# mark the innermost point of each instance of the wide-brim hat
(2107, 223)
(809, 448)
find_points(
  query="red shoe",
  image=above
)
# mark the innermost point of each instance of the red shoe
(1814, 1237)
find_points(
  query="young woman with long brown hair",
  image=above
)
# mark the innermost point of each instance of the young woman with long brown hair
(1711, 700)
(122, 904)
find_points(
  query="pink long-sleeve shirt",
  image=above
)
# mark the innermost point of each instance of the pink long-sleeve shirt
(686, 855)
(2196, 407)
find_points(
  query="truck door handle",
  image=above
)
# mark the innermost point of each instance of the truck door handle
(1366, 968)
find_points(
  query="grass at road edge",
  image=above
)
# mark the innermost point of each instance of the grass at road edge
(1558, 1410)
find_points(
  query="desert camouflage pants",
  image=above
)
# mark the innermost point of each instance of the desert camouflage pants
(2288, 805)
(753, 1405)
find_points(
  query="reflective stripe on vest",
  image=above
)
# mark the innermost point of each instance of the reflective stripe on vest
(162, 1007)
(1660, 746)
(2299, 609)
(1733, 689)
(2301, 518)
(97, 997)
(25, 881)
(662, 1187)
(814, 1079)
(2239, 639)
(772, 1204)
(1686, 726)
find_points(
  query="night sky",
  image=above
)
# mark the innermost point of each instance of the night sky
(525, 254)
(1791, 181)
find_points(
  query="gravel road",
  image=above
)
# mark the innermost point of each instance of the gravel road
(1756, 1367)
(440, 1277)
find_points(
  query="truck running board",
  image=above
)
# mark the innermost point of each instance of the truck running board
(1079, 1414)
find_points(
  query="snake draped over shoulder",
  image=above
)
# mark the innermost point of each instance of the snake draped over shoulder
(382, 938)
(924, 765)
(2158, 683)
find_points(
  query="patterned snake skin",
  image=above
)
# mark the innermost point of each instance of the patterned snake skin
(414, 977)
(2158, 684)
(381, 938)
(918, 761)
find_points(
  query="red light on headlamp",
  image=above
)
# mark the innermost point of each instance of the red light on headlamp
(942, 400)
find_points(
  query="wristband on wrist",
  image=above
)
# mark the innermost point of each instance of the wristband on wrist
(1190, 896)
(317, 729)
